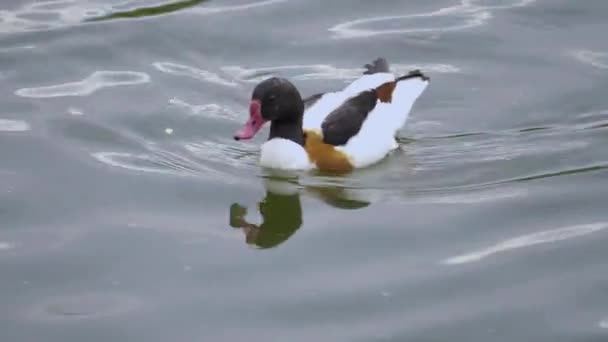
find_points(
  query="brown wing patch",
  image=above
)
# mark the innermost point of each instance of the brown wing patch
(385, 92)
(325, 156)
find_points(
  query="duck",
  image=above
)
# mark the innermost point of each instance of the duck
(334, 131)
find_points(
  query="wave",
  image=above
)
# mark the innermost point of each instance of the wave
(464, 15)
(14, 125)
(543, 237)
(96, 81)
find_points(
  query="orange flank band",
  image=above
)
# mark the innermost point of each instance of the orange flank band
(385, 92)
(325, 156)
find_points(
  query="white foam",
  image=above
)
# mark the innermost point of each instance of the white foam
(468, 14)
(527, 241)
(603, 323)
(199, 74)
(593, 58)
(96, 81)
(13, 125)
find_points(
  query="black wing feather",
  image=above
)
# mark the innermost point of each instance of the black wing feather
(345, 121)
(378, 65)
(311, 100)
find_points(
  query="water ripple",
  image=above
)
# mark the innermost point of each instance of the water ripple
(94, 82)
(466, 14)
(473, 197)
(54, 14)
(75, 111)
(210, 110)
(593, 58)
(146, 162)
(323, 71)
(527, 241)
(51, 14)
(199, 74)
(13, 125)
(221, 153)
(195, 160)
(233, 8)
(84, 306)
(4, 246)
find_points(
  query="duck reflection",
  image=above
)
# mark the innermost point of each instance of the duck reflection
(281, 212)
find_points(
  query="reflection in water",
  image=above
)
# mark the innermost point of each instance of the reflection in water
(281, 212)
(150, 11)
(282, 216)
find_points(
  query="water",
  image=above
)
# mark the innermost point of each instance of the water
(129, 214)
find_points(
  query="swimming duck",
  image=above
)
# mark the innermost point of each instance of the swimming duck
(333, 131)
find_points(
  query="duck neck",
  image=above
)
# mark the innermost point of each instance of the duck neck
(287, 129)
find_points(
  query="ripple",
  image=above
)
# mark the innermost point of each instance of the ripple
(75, 111)
(475, 197)
(527, 241)
(145, 162)
(221, 153)
(39, 240)
(465, 15)
(4, 246)
(573, 171)
(411, 24)
(52, 14)
(595, 59)
(13, 125)
(198, 164)
(85, 306)
(96, 81)
(210, 110)
(55, 14)
(323, 71)
(199, 74)
(246, 6)
(496, 4)
(17, 48)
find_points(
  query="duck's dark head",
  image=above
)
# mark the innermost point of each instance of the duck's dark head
(275, 99)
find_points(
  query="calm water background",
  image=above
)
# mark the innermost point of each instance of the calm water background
(123, 197)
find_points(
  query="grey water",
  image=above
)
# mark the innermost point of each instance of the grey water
(128, 212)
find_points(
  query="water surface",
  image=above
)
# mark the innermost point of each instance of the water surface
(129, 213)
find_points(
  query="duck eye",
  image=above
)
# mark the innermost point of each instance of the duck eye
(271, 98)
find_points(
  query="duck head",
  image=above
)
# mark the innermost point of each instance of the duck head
(276, 100)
